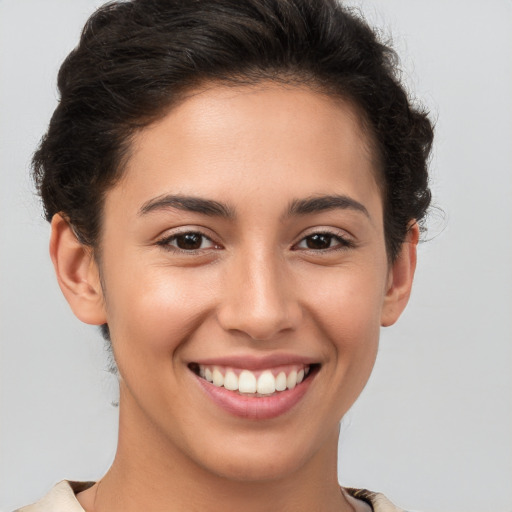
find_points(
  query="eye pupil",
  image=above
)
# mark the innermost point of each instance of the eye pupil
(189, 241)
(318, 241)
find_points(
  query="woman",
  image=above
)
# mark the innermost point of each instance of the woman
(235, 191)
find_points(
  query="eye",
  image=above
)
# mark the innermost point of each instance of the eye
(323, 241)
(189, 242)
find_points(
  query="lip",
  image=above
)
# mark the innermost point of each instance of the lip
(255, 363)
(256, 407)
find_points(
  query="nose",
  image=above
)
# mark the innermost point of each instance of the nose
(259, 298)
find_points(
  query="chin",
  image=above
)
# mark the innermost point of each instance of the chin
(269, 467)
(265, 455)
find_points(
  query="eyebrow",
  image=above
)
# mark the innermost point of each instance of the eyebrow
(319, 204)
(189, 204)
(213, 208)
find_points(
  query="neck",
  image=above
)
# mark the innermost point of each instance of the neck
(151, 473)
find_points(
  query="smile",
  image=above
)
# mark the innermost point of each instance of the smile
(255, 394)
(256, 383)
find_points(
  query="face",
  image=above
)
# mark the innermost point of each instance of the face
(245, 278)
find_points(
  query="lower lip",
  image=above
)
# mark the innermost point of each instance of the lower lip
(255, 408)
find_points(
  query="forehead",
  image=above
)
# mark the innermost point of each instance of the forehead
(240, 139)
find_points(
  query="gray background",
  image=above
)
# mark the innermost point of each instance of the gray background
(433, 429)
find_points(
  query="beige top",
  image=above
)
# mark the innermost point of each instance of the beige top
(62, 498)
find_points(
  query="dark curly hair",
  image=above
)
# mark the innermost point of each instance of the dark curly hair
(137, 58)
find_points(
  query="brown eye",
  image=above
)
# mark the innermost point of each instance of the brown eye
(189, 241)
(319, 241)
(323, 242)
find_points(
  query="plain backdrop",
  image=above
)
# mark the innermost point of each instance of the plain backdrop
(433, 428)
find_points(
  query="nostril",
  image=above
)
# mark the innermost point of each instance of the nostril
(263, 306)
(259, 326)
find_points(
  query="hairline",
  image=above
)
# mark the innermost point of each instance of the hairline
(286, 80)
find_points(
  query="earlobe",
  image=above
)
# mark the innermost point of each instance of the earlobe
(401, 275)
(77, 273)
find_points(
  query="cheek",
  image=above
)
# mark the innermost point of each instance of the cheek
(347, 303)
(153, 312)
(346, 306)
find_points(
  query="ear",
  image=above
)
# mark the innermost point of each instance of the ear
(77, 273)
(400, 278)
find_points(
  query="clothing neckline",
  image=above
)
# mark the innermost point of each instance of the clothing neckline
(64, 494)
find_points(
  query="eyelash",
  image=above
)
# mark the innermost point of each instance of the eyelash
(166, 242)
(343, 243)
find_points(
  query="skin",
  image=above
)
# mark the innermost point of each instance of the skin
(254, 287)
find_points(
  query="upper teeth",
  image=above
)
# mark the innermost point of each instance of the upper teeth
(246, 381)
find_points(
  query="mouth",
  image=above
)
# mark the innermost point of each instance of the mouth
(253, 394)
(257, 384)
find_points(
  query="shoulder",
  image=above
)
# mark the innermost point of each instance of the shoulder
(61, 498)
(377, 501)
